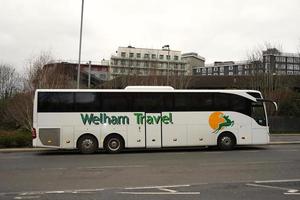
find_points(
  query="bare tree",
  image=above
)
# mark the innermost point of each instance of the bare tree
(39, 74)
(9, 81)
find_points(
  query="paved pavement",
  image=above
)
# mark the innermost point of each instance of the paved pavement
(262, 172)
(285, 138)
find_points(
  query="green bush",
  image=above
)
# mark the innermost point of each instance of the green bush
(19, 138)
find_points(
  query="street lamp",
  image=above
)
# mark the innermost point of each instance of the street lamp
(168, 58)
(80, 39)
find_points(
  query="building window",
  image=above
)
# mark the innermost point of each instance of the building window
(182, 66)
(146, 55)
(175, 66)
(175, 57)
(289, 66)
(122, 62)
(153, 56)
(161, 57)
(222, 69)
(168, 57)
(146, 64)
(115, 62)
(138, 55)
(123, 54)
(290, 60)
(131, 55)
(230, 68)
(230, 73)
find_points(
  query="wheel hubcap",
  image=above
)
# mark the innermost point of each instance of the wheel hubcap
(114, 145)
(226, 141)
(87, 144)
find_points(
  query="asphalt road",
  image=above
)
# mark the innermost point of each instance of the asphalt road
(266, 172)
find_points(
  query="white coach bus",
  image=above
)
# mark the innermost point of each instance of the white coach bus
(148, 117)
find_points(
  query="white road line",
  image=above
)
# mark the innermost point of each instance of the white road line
(55, 168)
(27, 197)
(287, 193)
(278, 181)
(156, 187)
(268, 186)
(161, 193)
(113, 166)
(167, 190)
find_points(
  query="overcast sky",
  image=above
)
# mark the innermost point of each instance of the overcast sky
(215, 29)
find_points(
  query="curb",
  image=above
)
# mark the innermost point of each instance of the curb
(11, 150)
(293, 142)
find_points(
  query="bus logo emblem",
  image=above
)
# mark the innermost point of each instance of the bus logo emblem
(218, 121)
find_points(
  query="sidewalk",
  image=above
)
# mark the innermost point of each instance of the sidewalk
(274, 139)
(285, 139)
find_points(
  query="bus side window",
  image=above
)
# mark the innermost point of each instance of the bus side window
(115, 102)
(148, 102)
(240, 104)
(87, 102)
(56, 102)
(222, 102)
(258, 113)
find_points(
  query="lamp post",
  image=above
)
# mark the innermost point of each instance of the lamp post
(168, 58)
(80, 39)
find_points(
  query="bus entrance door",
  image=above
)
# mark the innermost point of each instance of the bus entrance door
(153, 130)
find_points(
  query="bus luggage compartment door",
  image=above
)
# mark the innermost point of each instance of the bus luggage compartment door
(153, 130)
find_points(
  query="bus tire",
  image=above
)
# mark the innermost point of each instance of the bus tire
(226, 141)
(114, 143)
(87, 144)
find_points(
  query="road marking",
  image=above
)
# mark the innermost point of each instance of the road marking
(164, 188)
(55, 168)
(278, 181)
(161, 193)
(156, 187)
(113, 166)
(268, 186)
(291, 193)
(167, 190)
(27, 197)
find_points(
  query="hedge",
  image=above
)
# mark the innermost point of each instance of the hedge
(18, 138)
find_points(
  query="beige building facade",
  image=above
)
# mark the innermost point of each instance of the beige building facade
(145, 62)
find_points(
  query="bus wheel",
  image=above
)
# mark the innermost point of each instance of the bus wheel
(114, 144)
(226, 141)
(87, 144)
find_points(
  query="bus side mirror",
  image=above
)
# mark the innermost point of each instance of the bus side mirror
(269, 101)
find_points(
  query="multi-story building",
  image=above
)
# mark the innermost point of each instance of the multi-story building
(193, 60)
(272, 61)
(227, 68)
(143, 62)
(280, 63)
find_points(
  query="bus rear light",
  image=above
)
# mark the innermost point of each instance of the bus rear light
(33, 132)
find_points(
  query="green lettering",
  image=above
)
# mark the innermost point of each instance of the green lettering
(87, 118)
(157, 119)
(114, 120)
(150, 120)
(139, 118)
(96, 120)
(123, 120)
